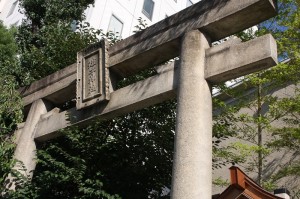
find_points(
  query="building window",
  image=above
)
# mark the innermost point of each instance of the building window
(189, 3)
(115, 26)
(148, 8)
(12, 8)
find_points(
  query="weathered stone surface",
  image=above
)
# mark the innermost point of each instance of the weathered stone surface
(161, 41)
(253, 55)
(130, 98)
(227, 62)
(259, 50)
(25, 151)
(18, 132)
(52, 87)
(92, 75)
(192, 162)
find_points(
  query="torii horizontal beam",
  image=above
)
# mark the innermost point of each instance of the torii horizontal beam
(241, 58)
(260, 54)
(160, 42)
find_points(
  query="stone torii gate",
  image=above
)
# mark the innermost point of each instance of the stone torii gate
(187, 34)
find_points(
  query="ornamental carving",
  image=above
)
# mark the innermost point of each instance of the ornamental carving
(92, 77)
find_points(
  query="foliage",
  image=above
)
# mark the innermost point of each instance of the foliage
(133, 152)
(129, 153)
(260, 114)
(221, 182)
(45, 38)
(287, 137)
(10, 102)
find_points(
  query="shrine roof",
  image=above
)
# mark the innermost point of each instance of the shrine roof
(243, 187)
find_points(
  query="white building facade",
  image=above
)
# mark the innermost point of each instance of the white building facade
(118, 16)
(9, 12)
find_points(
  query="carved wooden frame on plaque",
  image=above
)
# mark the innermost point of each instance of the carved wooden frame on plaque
(92, 75)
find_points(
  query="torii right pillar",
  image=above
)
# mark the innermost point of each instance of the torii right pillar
(192, 166)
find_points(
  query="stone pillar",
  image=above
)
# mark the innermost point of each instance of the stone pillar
(26, 148)
(192, 165)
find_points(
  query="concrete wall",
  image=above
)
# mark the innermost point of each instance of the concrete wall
(275, 160)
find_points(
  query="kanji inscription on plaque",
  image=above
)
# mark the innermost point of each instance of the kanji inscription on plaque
(92, 75)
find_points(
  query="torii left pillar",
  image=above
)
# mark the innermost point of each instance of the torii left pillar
(25, 151)
(192, 166)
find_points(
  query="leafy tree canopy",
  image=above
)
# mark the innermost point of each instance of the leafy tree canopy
(264, 122)
(10, 102)
(45, 38)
